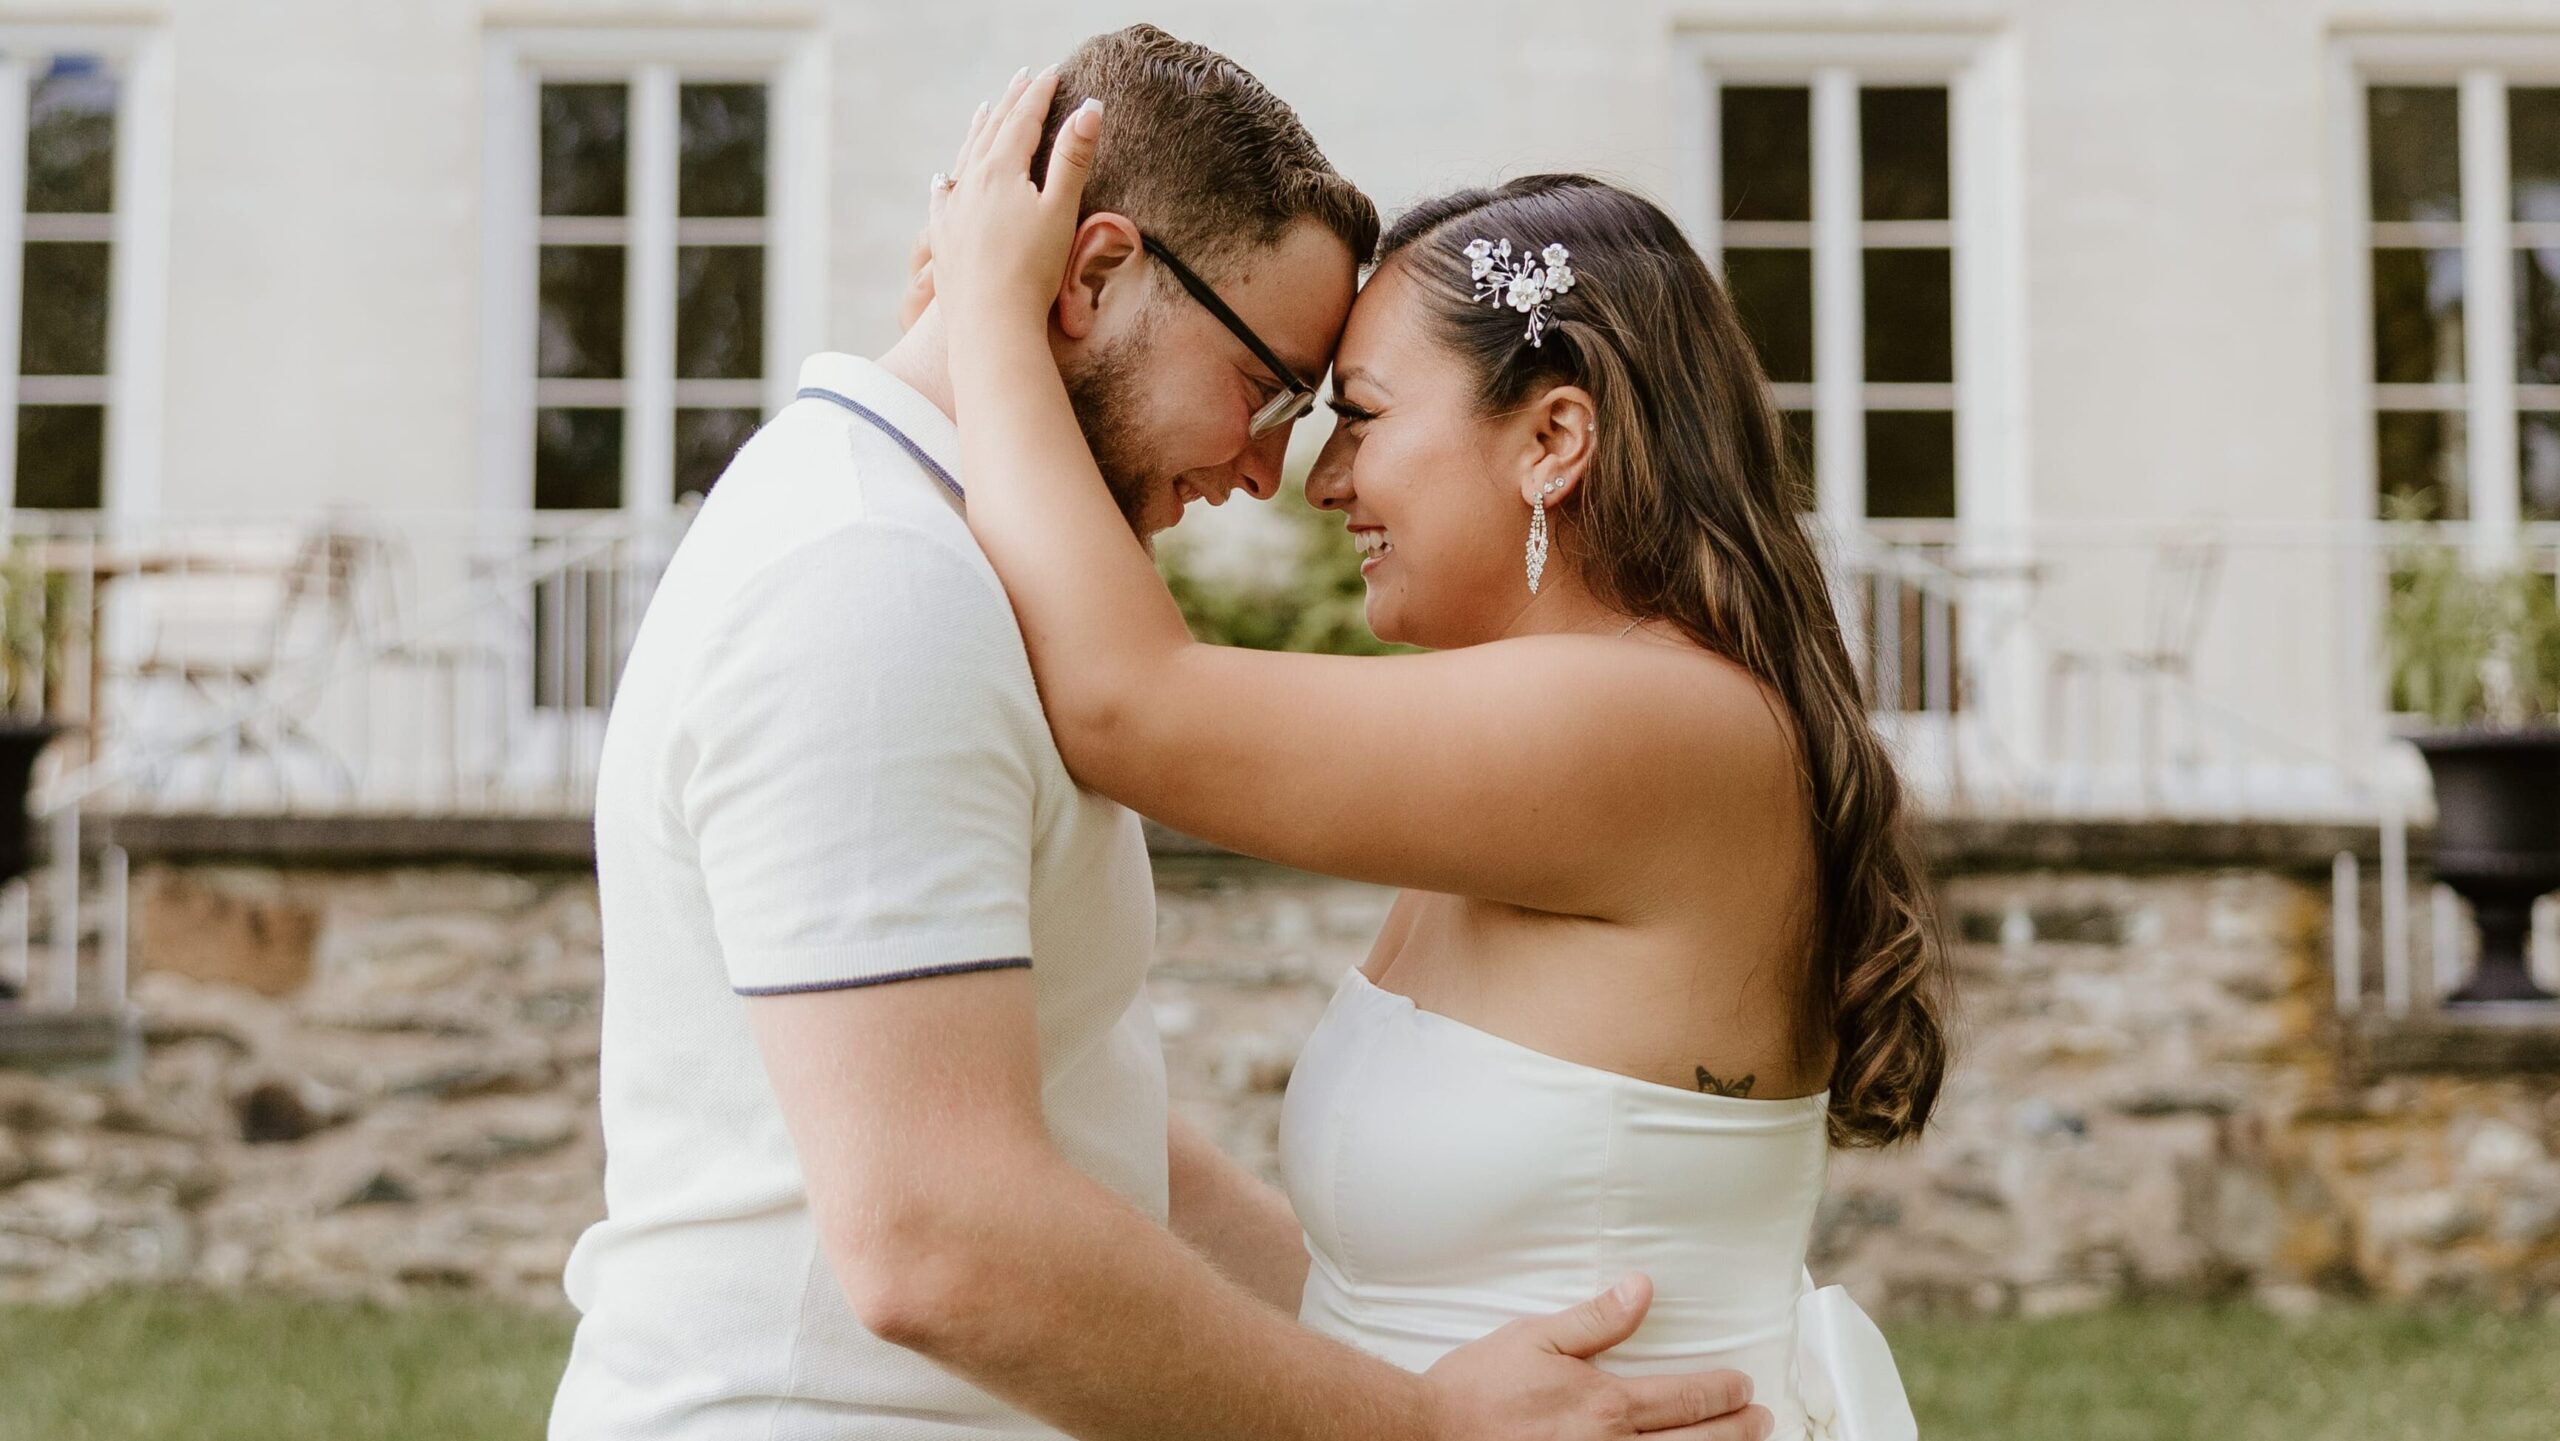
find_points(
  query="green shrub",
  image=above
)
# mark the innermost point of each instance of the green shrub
(2470, 645)
(1322, 607)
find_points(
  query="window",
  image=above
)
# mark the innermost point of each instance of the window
(649, 352)
(67, 239)
(2462, 235)
(654, 254)
(1851, 191)
(1836, 210)
(654, 233)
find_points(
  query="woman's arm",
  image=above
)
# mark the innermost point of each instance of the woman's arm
(1544, 771)
(1234, 1218)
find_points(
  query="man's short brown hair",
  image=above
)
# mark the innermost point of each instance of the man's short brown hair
(1198, 152)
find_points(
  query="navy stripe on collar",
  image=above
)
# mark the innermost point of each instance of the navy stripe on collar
(882, 423)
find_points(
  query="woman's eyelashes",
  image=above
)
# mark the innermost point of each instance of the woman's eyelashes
(1351, 414)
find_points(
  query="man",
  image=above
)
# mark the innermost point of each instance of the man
(888, 1148)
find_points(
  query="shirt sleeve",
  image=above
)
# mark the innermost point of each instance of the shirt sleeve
(861, 784)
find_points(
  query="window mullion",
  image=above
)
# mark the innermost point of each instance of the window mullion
(13, 251)
(2489, 348)
(1839, 305)
(648, 444)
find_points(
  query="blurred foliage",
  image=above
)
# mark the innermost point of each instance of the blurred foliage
(1322, 607)
(35, 618)
(2468, 645)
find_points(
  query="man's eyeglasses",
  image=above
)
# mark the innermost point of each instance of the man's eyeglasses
(1295, 395)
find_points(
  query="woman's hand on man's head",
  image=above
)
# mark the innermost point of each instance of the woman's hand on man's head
(997, 243)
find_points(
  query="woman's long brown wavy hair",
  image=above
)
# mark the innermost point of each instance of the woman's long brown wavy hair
(1687, 514)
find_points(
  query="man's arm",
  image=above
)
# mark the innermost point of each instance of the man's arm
(1228, 1214)
(959, 1232)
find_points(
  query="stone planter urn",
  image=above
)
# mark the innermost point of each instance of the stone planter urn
(2497, 843)
(21, 741)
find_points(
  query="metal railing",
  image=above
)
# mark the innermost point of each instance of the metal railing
(358, 663)
(461, 665)
(2206, 670)
(348, 663)
(2416, 944)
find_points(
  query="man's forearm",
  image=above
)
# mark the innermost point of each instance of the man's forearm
(1229, 1215)
(1073, 1306)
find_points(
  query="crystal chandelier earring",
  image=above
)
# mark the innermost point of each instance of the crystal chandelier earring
(1538, 536)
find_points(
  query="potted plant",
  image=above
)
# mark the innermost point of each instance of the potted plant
(34, 617)
(2476, 650)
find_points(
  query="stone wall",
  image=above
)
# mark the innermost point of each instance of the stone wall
(351, 1084)
(369, 1082)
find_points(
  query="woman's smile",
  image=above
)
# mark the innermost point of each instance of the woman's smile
(1375, 546)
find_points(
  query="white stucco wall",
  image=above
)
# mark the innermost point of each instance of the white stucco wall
(2174, 167)
(322, 324)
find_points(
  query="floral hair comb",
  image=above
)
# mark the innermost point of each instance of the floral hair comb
(1525, 287)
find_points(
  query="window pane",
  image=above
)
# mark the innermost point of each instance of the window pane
(2538, 316)
(1773, 290)
(66, 310)
(71, 139)
(61, 457)
(1902, 135)
(719, 312)
(1911, 316)
(720, 166)
(705, 440)
(577, 460)
(1768, 152)
(1911, 464)
(1896, 618)
(2418, 460)
(1799, 438)
(576, 618)
(2533, 147)
(2417, 316)
(581, 329)
(585, 145)
(2415, 135)
(2538, 471)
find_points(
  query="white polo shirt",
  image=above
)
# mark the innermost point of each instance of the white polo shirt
(826, 767)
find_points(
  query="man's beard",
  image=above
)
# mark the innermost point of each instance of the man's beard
(1104, 394)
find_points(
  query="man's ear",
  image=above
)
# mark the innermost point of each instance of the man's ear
(1104, 268)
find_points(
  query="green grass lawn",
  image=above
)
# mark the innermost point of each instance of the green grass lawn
(2196, 1374)
(272, 1369)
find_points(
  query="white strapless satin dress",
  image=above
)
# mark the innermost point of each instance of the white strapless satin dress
(1450, 1181)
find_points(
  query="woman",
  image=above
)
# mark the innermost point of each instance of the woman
(1662, 939)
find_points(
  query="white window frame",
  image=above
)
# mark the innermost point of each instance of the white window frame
(1985, 231)
(137, 236)
(654, 62)
(2480, 66)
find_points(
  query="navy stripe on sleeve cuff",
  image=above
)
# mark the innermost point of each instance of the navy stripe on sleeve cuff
(857, 982)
